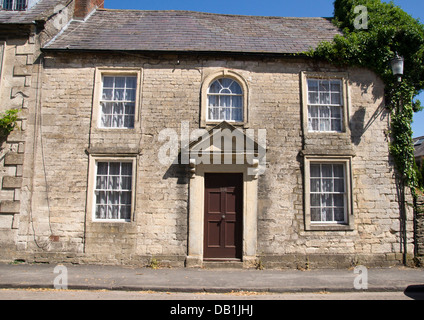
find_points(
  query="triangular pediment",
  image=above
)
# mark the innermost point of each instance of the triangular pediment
(224, 138)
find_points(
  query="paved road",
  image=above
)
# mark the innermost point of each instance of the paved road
(50, 294)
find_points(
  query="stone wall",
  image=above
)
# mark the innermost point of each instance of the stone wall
(419, 237)
(20, 88)
(55, 211)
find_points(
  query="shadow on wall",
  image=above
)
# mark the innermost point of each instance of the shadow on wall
(357, 122)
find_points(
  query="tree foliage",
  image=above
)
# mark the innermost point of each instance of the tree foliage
(389, 30)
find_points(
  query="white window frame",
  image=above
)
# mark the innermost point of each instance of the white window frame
(92, 187)
(333, 193)
(113, 101)
(204, 108)
(100, 73)
(344, 102)
(230, 95)
(14, 4)
(348, 223)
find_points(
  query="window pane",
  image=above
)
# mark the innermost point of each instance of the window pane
(107, 94)
(130, 95)
(101, 183)
(126, 212)
(336, 125)
(126, 198)
(215, 87)
(108, 82)
(324, 112)
(327, 185)
(119, 82)
(324, 125)
(238, 114)
(313, 112)
(107, 107)
(312, 85)
(324, 86)
(114, 168)
(126, 169)
(338, 200)
(226, 83)
(327, 170)
(327, 214)
(327, 200)
(101, 212)
(339, 185)
(213, 101)
(225, 101)
(119, 94)
(126, 183)
(324, 98)
(102, 168)
(235, 88)
(313, 98)
(315, 170)
(106, 121)
(315, 200)
(131, 82)
(339, 215)
(238, 102)
(336, 86)
(114, 214)
(101, 197)
(129, 121)
(338, 170)
(315, 214)
(336, 112)
(315, 185)
(335, 98)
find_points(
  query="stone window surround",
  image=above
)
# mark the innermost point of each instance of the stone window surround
(92, 173)
(196, 212)
(208, 80)
(98, 86)
(347, 161)
(343, 76)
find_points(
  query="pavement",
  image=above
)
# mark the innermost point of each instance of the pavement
(95, 277)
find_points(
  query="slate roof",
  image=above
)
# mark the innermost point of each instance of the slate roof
(189, 31)
(419, 147)
(41, 11)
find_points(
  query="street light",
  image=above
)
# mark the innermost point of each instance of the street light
(397, 66)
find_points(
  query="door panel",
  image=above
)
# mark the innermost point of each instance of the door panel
(223, 215)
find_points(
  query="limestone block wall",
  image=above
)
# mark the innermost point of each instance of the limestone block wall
(20, 88)
(56, 209)
(419, 238)
(16, 92)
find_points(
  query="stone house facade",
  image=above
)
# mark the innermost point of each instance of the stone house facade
(196, 138)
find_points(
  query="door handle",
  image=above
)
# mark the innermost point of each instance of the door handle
(223, 216)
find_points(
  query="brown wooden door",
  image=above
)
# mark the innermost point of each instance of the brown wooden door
(223, 215)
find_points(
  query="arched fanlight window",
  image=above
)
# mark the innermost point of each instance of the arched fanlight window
(225, 101)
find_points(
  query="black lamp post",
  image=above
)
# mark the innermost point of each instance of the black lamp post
(397, 64)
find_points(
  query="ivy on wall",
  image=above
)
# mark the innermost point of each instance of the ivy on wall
(373, 32)
(8, 121)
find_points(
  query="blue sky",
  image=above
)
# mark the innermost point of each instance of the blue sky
(283, 8)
